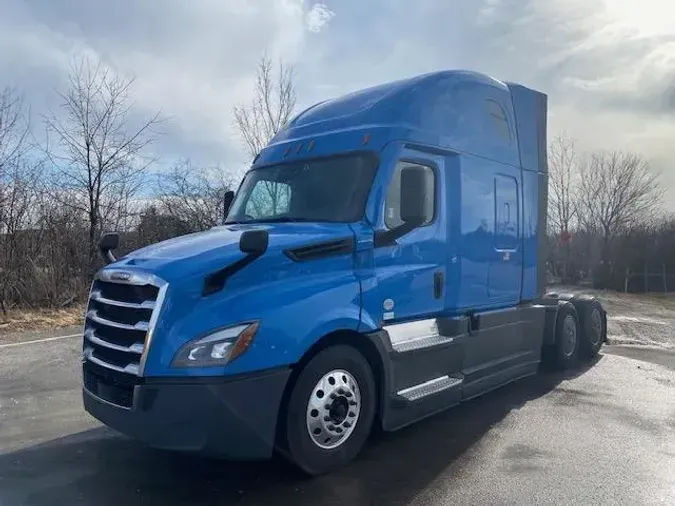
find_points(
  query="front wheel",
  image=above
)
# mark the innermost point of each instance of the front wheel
(330, 411)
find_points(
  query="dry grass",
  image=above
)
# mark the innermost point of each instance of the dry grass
(41, 319)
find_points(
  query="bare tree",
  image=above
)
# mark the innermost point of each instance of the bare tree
(15, 189)
(617, 191)
(260, 120)
(271, 107)
(562, 205)
(14, 127)
(563, 174)
(194, 195)
(19, 189)
(99, 151)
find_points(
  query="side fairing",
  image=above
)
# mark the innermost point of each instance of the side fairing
(530, 108)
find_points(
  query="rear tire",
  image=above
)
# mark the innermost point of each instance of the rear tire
(592, 325)
(566, 347)
(330, 410)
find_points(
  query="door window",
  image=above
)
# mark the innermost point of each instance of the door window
(392, 206)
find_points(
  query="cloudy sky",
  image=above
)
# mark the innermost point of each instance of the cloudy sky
(607, 65)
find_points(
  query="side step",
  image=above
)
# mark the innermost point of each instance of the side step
(420, 342)
(419, 401)
(430, 387)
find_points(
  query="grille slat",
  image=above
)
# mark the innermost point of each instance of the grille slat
(136, 294)
(121, 313)
(136, 348)
(115, 335)
(146, 304)
(141, 325)
(89, 354)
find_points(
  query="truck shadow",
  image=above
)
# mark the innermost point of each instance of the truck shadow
(99, 468)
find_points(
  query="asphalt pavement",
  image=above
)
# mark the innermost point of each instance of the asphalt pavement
(604, 434)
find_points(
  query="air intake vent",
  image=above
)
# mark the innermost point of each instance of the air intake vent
(321, 250)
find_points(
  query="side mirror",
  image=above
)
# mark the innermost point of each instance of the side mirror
(227, 202)
(254, 242)
(413, 206)
(413, 197)
(106, 244)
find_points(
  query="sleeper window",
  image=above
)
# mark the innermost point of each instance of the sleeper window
(499, 121)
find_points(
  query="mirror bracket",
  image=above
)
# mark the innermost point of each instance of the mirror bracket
(108, 242)
(254, 244)
(389, 237)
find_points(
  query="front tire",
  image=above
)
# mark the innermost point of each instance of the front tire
(330, 410)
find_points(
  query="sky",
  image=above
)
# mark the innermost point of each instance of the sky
(608, 66)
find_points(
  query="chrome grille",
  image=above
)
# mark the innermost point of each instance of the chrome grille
(121, 315)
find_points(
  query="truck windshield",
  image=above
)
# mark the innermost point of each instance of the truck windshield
(328, 189)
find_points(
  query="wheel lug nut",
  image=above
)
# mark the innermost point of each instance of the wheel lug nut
(338, 430)
(333, 396)
(347, 424)
(352, 403)
(326, 419)
(340, 391)
(348, 394)
(327, 406)
(331, 427)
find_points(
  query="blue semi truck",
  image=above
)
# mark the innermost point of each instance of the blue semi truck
(382, 260)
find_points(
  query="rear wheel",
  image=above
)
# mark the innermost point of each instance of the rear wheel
(592, 325)
(566, 347)
(330, 410)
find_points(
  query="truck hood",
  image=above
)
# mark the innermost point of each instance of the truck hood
(214, 249)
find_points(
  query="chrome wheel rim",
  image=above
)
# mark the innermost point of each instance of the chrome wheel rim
(596, 323)
(333, 409)
(569, 335)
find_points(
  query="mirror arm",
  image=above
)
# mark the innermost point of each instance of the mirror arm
(215, 281)
(107, 255)
(389, 237)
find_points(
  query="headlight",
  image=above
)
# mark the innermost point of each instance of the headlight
(218, 348)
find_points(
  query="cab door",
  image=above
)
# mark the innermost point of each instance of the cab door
(411, 272)
(409, 291)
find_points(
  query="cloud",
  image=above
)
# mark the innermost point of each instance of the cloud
(193, 60)
(318, 16)
(607, 66)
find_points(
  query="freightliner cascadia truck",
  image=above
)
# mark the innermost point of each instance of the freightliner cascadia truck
(382, 260)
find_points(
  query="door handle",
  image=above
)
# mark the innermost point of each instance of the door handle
(438, 284)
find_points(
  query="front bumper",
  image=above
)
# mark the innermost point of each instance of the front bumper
(224, 417)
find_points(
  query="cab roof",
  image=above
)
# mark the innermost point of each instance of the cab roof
(451, 109)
